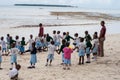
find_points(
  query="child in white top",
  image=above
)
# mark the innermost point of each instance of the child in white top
(81, 54)
(95, 47)
(30, 42)
(58, 37)
(0, 57)
(17, 42)
(54, 36)
(51, 50)
(3, 44)
(14, 51)
(13, 74)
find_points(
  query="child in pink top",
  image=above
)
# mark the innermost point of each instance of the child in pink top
(67, 56)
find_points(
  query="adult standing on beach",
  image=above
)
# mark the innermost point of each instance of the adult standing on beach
(41, 30)
(102, 39)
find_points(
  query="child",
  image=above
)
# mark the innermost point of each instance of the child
(8, 41)
(76, 40)
(13, 74)
(38, 43)
(30, 42)
(54, 36)
(17, 42)
(81, 54)
(33, 58)
(67, 56)
(58, 39)
(22, 48)
(64, 35)
(68, 37)
(14, 51)
(88, 45)
(0, 58)
(51, 49)
(4, 46)
(61, 50)
(95, 46)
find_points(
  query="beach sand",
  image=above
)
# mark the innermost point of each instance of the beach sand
(106, 68)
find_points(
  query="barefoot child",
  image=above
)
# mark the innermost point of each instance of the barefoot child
(14, 51)
(67, 56)
(61, 49)
(4, 46)
(13, 74)
(33, 59)
(81, 54)
(22, 48)
(88, 45)
(95, 46)
(51, 50)
(0, 57)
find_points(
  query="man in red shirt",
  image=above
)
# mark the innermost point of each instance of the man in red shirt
(102, 39)
(41, 30)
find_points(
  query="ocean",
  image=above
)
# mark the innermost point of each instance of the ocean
(13, 16)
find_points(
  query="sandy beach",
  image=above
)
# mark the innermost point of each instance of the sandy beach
(105, 68)
(24, 24)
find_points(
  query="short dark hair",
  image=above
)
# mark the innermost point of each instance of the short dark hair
(40, 24)
(67, 44)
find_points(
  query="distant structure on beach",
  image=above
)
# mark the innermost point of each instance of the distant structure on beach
(45, 5)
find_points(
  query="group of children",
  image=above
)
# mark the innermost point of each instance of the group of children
(84, 45)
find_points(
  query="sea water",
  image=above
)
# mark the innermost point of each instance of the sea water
(12, 16)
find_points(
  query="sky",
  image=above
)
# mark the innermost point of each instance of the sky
(110, 4)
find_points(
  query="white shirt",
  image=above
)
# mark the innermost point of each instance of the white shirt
(54, 37)
(96, 42)
(77, 40)
(13, 72)
(18, 42)
(14, 51)
(58, 37)
(51, 49)
(81, 45)
(30, 42)
(3, 43)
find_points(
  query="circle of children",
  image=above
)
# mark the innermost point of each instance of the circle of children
(59, 43)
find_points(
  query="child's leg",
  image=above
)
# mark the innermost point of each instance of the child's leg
(11, 65)
(50, 62)
(15, 63)
(82, 59)
(79, 60)
(95, 56)
(47, 62)
(88, 58)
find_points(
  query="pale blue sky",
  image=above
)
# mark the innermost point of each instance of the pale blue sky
(110, 4)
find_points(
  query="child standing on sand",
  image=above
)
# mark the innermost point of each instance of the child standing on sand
(51, 50)
(4, 46)
(0, 57)
(58, 39)
(67, 56)
(61, 49)
(33, 59)
(95, 46)
(14, 51)
(17, 42)
(81, 48)
(22, 48)
(88, 45)
(30, 42)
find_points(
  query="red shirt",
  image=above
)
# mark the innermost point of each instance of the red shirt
(103, 32)
(41, 31)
